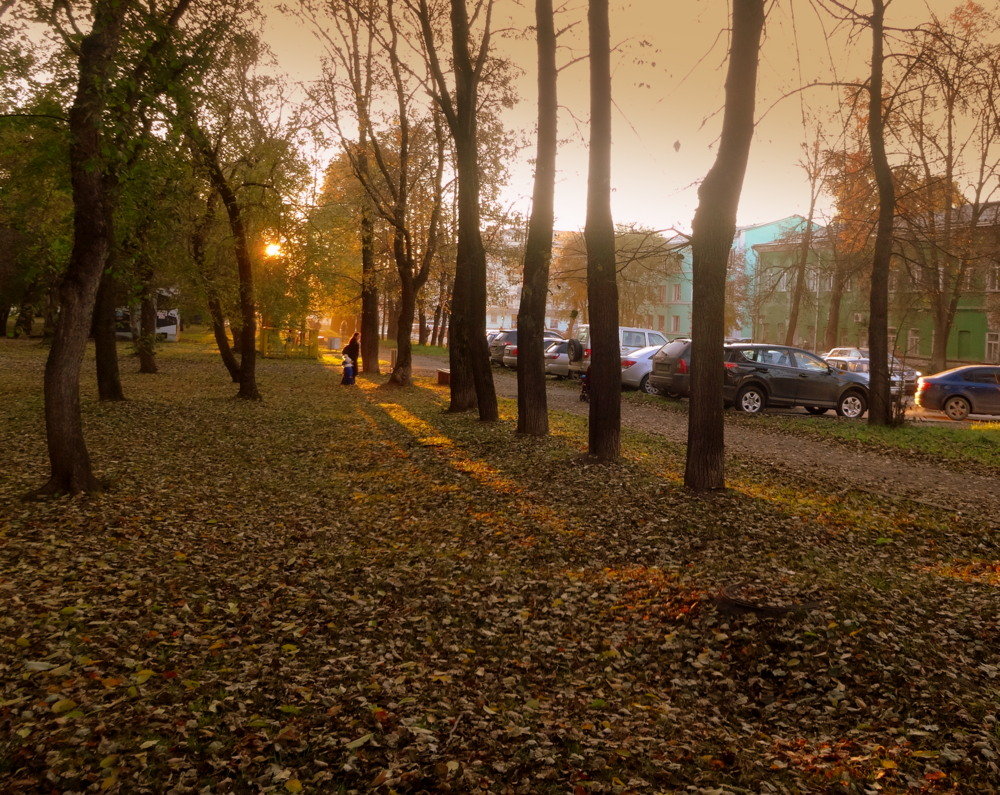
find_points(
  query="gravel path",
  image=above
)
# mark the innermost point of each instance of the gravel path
(834, 467)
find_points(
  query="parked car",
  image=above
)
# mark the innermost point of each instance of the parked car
(509, 358)
(961, 391)
(909, 375)
(758, 376)
(500, 342)
(629, 339)
(557, 359)
(845, 353)
(903, 382)
(670, 371)
(636, 367)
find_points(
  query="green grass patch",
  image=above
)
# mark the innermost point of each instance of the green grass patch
(978, 444)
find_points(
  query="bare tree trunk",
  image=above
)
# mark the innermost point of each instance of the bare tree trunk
(402, 374)
(423, 330)
(146, 342)
(369, 299)
(800, 273)
(605, 373)
(712, 238)
(244, 266)
(68, 456)
(109, 383)
(221, 339)
(50, 313)
(436, 325)
(5, 317)
(880, 401)
(532, 403)
(833, 314)
(468, 321)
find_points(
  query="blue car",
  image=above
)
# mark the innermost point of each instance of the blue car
(962, 391)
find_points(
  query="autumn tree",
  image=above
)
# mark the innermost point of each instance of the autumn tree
(403, 161)
(532, 406)
(713, 229)
(948, 128)
(100, 61)
(604, 374)
(644, 259)
(352, 78)
(470, 58)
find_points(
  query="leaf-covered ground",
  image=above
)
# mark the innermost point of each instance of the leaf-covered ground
(349, 589)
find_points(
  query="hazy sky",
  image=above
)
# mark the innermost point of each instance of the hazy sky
(671, 90)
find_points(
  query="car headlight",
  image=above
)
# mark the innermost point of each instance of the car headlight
(917, 373)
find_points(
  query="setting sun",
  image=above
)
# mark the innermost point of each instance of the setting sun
(273, 250)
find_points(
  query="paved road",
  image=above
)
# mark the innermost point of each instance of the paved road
(947, 487)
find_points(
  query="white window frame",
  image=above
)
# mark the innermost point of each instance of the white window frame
(993, 347)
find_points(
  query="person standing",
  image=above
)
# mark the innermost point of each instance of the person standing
(351, 353)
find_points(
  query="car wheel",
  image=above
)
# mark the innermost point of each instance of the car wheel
(817, 410)
(957, 408)
(647, 387)
(751, 400)
(852, 405)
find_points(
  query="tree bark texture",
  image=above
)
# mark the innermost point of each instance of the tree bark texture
(800, 273)
(712, 237)
(880, 402)
(69, 459)
(244, 264)
(109, 382)
(532, 405)
(833, 314)
(369, 298)
(470, 330)
(146, 342)
(221, 338)
(605, 373)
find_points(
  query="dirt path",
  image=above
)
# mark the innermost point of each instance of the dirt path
(834, 467)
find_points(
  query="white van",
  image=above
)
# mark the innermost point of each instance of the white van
(629, 339)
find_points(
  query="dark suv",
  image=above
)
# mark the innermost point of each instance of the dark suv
(499, 343)
(758, 376)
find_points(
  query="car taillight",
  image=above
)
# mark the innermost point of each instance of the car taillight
(512, 350)
(586, 353)
(682, 366)
(626, 363)
(921, 385)
(730, 365)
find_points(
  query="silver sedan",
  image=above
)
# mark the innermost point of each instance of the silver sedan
(557, 359)
(635, 369)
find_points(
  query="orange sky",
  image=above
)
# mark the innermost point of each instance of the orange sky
(675, 95)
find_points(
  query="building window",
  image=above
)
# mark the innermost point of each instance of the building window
(675, 323)
(662, 293)
(677, 292)
(993, 347)
(661, 323)
(993, 278)
(913, 342)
